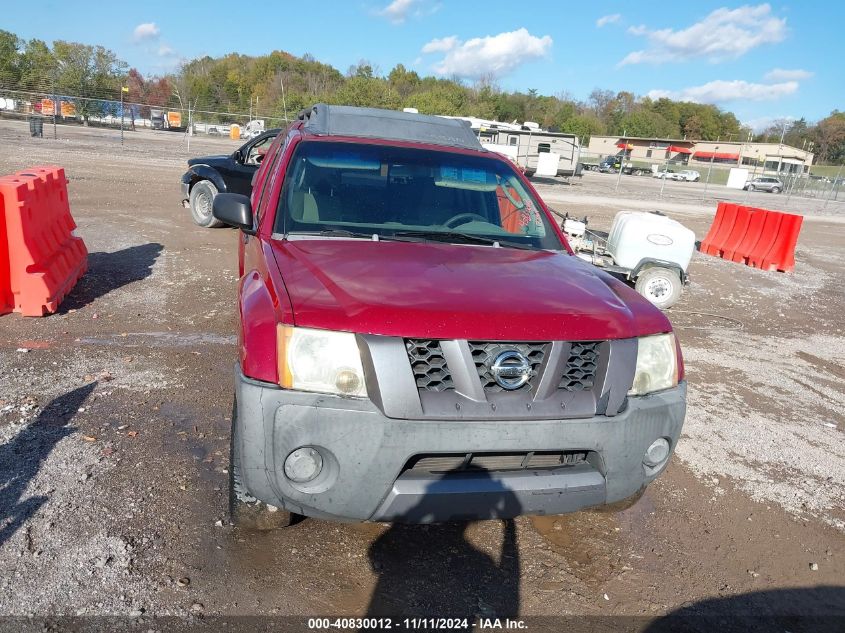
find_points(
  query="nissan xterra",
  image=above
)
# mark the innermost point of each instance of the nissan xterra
(417, 341)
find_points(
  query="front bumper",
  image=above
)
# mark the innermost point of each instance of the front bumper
(364, 454)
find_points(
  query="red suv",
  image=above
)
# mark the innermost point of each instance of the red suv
(418, 342)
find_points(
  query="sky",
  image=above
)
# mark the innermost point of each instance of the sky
(764, 62)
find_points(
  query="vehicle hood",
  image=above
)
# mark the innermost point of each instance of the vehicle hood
(429, 290)
(213, 161)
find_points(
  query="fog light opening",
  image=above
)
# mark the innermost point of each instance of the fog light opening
(657, 453)
(303, 465)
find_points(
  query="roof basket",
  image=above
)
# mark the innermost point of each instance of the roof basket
(337, 120)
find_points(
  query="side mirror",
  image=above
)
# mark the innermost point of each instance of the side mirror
(235, 210)
(238, 156)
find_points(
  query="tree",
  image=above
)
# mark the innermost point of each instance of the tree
(37, 66)
(830, 137)
(93, 73)
(10, 71)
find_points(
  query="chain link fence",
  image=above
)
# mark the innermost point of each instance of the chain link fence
(56, 110)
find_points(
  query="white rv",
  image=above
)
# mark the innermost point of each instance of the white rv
(536, 151)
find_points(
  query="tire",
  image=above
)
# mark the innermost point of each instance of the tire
(245, 511)
(661, 286)
(638, 172)
(775, 189)
(202, 199)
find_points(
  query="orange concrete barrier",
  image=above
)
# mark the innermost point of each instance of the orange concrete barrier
(45, 259)
(7, 302)
(781, 256)
(767, 239)
(758, 237)
(707, 242)
(740, 251)
(722, 230)
(739, 230)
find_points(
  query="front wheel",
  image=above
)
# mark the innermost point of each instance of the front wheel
(202, 201)
(661, 286)
(245, 511)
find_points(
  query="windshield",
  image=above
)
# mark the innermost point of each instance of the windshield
(350, 189)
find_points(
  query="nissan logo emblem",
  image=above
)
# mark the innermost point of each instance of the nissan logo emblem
(511, 370)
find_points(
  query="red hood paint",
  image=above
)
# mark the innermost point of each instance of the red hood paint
(445, 291)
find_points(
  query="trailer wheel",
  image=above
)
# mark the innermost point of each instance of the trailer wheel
(661, 286)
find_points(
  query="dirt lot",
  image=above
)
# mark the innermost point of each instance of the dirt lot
(115, 413)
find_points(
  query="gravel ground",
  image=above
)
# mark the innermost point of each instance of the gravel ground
(114, 429)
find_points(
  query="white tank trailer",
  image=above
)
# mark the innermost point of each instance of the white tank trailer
(648, 250)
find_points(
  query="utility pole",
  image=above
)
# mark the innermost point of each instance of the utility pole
(665, 173)
(622, 162)
(55, 136)
(123, 89)
(710, 170)
(59, 64)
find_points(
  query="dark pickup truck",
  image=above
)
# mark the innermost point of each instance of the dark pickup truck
(227, 173)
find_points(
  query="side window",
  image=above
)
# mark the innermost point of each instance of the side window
(264, 175)
(259, 149)
(544, 148)
(513, 140)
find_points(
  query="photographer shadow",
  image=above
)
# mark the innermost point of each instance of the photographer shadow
(427, 571)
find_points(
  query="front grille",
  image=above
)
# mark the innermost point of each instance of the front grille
(484, 354)
(580, 372)
(492, 462)
(429, 366)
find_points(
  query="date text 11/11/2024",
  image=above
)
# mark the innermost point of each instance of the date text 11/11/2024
(414, 624)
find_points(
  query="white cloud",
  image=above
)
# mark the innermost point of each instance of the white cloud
(441, 45)
(145, 31)
(722, 35)
(165, 51)
(489, 55)
(721, 91)
(761, 123)
(400, 10)
(608, 19)
(779, 74)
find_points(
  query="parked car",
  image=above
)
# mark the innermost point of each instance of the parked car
(668, 174)
(209, 175)
(418, 342)
(764, 183)
(689, 175)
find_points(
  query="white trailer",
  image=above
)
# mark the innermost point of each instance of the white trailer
(530, 144)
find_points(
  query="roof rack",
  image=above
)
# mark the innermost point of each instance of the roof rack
(335, 120)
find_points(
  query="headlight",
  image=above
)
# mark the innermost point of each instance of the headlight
(320, 360)
(657, 364)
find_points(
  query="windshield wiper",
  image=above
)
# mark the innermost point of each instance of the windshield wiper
(334, 233)
(375, 237)
(466, 238)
